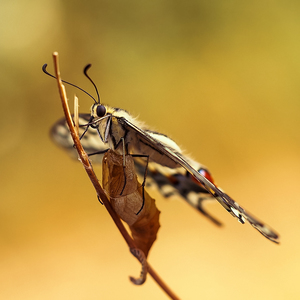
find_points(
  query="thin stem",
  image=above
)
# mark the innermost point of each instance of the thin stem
(89, 169)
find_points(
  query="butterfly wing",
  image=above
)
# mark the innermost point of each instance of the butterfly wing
(91, 142)
(169, 182)
(177, 182)
(229, 204)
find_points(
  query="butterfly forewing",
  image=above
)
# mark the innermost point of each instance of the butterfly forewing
(229, 204)
(118, 130)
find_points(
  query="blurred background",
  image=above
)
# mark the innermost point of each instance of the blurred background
(220, 77)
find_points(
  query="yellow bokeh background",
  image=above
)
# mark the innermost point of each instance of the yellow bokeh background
(221, 78)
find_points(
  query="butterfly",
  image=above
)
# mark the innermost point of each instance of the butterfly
(169, 182)
(116, 129)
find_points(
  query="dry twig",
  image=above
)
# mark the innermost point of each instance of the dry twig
(100, 192)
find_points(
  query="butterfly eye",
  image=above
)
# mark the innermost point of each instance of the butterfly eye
(101, 111)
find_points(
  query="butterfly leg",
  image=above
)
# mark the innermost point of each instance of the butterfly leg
(145, 176)
(205, 213)
(94, 153)
(99, 199)
(86, 129)
(98, 152)
(124, 166)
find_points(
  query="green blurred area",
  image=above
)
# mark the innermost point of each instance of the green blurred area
(220, 77)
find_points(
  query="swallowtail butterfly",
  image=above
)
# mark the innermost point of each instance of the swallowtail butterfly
(114, 128)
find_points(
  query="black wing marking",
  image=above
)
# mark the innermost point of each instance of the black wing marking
(229, 204)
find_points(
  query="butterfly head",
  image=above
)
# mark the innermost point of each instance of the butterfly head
(98, 110)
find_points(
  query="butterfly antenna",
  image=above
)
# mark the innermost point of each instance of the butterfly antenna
(46, 72)
(86, 74)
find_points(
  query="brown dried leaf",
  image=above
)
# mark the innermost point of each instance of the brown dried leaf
(126, 196)
(143, 260)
